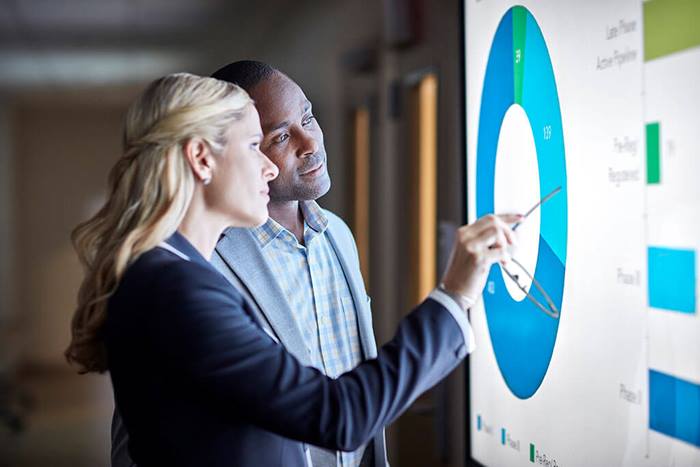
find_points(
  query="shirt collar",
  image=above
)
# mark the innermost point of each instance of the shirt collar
(314, 216)
(311, 212)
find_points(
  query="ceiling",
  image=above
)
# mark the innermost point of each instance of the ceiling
(102, 22)
(78, 43)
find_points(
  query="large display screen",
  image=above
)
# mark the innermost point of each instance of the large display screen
(585, 114)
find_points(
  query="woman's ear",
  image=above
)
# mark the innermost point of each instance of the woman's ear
(199, 157)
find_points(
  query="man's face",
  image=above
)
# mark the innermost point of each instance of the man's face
(292, 139)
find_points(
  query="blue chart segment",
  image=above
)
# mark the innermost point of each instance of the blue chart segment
(519, 72)
(674, 407)
(672, 279)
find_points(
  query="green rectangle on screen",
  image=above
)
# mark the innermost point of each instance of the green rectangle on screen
(532, 452)
(519, 33)
(653, 153)
(670, 26)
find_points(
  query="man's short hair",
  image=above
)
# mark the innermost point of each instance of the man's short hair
(245, 73)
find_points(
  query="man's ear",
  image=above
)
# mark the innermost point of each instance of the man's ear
(199, 157)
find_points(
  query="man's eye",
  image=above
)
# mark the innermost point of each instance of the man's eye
(282, 138)
(307, 121)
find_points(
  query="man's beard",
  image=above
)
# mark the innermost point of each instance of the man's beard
(282, 190)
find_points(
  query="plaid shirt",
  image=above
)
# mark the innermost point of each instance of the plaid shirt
(314, 284)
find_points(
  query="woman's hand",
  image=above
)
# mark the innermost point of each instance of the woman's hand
(477, 246)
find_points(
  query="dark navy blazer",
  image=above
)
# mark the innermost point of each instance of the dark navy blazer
(199, 383)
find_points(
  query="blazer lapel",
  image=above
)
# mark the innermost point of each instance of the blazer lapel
(241, 253)
(357, 289)
(343, 243)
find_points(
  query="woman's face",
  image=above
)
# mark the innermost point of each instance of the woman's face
(238, 189)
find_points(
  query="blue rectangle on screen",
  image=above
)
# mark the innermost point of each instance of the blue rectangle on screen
(672, 279)
(674, 407)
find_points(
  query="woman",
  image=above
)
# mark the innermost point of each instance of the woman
(197, 380)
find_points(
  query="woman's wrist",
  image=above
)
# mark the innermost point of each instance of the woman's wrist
(465, 302)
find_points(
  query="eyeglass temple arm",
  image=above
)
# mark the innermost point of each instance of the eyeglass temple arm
(538, 204)
(553, 311)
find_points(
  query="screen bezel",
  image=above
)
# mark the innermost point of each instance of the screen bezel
(469, 460)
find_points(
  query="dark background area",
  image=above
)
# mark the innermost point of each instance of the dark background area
(68, 71)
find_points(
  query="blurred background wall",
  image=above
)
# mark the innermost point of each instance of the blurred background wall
(69, 69)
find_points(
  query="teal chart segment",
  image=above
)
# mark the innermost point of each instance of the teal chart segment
(519, 72)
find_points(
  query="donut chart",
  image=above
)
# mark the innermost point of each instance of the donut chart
(519, 73)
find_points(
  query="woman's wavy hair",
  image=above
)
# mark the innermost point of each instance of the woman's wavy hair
(150, 188)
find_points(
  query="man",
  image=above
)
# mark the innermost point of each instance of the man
(320, 310)
(300, 270)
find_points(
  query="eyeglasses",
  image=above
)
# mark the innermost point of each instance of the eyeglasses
(550, 309)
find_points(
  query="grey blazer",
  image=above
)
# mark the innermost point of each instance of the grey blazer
(239, 258)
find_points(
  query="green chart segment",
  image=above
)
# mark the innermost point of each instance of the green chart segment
(653, 153)
(670, 26)
(519, 72)
(519, 28)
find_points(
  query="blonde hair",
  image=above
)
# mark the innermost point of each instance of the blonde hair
(150, 188)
